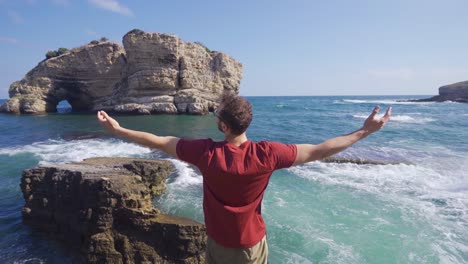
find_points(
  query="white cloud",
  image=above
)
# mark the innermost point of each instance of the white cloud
(449, 71)
(404, 73)
(29, 2)
(61, 2)
(113, 6)
(8, 40)
(412, 79)
(15, 17)
(91, 33)
(400, 73)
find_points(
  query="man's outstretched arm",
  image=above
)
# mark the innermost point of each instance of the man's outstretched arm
(166, 144)
(308, 152)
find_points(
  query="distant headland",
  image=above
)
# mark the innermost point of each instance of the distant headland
(152, 73)
(457, 92)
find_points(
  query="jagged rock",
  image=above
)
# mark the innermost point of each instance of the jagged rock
(151, 73)
(102, 207)
(457, 92)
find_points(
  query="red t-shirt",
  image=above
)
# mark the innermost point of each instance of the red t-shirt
(234, 180)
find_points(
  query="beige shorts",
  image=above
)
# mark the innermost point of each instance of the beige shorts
(216, 254)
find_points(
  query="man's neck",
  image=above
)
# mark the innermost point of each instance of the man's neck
(236, 139)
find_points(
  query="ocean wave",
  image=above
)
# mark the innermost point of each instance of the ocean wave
(184, 192)
(185, 174)
(400, 118)
(294, 258)
(383, 101)
(340, 253)
(289, 106)
(62, 151)
(29, 260)
(433, 194)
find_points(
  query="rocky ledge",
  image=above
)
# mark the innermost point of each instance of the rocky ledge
(457, 92)
(152, 73)
(102, 207)
(360, 161)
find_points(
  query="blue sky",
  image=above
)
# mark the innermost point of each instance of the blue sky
(290, 47)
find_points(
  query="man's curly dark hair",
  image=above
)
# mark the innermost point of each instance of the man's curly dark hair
(236, 112)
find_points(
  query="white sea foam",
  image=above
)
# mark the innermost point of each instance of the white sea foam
(336, 251)
(61, 151)
(185, 174)
(280, 202)
(400, 118)
(184, 192)
(383, 101)
(340, 253)
(416, 182)
(29, 260)
(294, 258)
(422, 192)
(422, 195)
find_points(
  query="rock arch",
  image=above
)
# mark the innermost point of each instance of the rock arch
(81, 77)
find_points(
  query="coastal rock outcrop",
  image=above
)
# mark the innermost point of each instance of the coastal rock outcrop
(457, 92)
(151, 73)
(102, 207)
(360, 161)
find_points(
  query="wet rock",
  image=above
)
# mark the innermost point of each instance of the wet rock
(102, 207)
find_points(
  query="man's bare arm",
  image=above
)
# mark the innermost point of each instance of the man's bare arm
(167, 144)
(308, 152)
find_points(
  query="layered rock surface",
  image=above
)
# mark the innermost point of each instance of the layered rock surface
(151, 73)
(102, 207)
(457, 92)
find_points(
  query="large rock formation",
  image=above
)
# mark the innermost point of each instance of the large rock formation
(457, 92)
(102, 207)
(151, 73)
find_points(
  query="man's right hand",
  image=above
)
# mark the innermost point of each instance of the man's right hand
(308, 152)
(109, 123)
(373, 124)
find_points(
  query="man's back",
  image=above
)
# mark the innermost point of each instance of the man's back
(234, 180)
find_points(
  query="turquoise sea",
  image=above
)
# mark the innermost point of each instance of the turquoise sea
(315, 213)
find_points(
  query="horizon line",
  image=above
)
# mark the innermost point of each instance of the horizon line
(316, 95)
(339, 95)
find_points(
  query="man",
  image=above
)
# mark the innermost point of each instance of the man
(236, 172)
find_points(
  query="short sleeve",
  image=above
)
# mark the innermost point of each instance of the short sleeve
(191, 151)
(283, 155)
